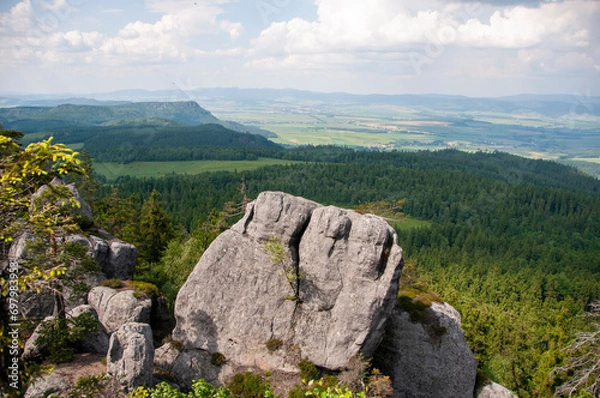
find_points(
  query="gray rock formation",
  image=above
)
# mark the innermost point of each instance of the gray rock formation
(122, 257)
(32, 349)
(94, 342)
(45, 385)
(117, 258)
(186, 365)
(428, 358)
(18, 248)
(494, 390)
(115, 309)
(131, 355)
(36, 306)
(327, 298)
(82, 209)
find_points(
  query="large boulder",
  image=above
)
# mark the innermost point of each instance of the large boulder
(47, 385)
(131, 355)
(323, 280)
(494, 390)
(121, 260)
(116, 308)
(36, 306)
(186, 365)
(31, 349)
(427, 356)
(95, 342)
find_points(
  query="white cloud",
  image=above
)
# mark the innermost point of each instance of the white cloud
(373, 31)
(37, 33)
(521, 27)
(18, 20)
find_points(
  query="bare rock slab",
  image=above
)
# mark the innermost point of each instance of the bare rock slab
(428, 358)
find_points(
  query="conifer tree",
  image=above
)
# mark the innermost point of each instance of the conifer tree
(155, 230)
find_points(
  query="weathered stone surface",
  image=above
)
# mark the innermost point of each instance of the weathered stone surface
(18, 248)
(99, 249)
(46, 385)
(494, 390)
(36, 306)
(351, 266)
(131, 355)
(94, 342)
(32, 349)
(186, 365)
(83, 209)
(118, 308)
(122, 257)
(429, 358)
(237, 298)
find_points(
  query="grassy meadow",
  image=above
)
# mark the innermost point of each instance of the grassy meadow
(112, 171)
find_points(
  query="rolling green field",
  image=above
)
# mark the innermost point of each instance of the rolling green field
(572, 138)
(112, 171)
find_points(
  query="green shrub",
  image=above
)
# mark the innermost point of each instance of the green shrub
(143, 289)
(113, 283)
(274, 344)
(200, 389)
(308, 370)
(89, 386)
(217, 359)
(250, 385)
(59, 337)
(301, 391)
(416, 301)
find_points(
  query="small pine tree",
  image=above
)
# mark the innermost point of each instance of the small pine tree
(155, 230)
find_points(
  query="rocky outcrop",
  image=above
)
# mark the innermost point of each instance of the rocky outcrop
(122, 257)
(116, 257)
(131, 355)
(18, 248)
(186, 365)
(46, 385)
(429, 357)
(95, 342)
(115, 309)
(494, 390)
(31, 349)
(323, 280)
(36, 306)
(81, 208)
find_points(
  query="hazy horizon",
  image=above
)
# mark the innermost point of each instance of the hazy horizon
(492, 48)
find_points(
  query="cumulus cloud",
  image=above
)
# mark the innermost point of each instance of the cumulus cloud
(373, 31)
(34, 31)
(521, 27)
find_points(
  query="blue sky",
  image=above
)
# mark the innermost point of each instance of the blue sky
(489, 48)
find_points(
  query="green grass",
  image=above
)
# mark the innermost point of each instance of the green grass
(157, 169)
(410, 223)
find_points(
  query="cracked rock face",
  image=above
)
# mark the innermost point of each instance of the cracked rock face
(327, 301)
(428, 358)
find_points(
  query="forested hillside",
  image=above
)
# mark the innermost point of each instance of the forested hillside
(513, 243)
(71, 118)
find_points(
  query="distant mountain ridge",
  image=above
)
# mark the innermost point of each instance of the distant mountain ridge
(545, 104)
(37, 118)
